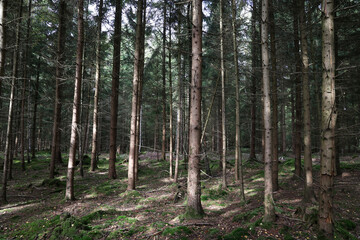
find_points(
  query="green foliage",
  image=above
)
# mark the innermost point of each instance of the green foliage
(350, 166)
(246, 216)
(53, 183)
(131, 196)
(239, 233)
(214, 231)
(286, 232)
(98, 215)
(214, 194)
(343, 227)
(107, 188)
(180, 230)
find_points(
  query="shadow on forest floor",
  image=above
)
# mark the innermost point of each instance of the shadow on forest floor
(105, 210)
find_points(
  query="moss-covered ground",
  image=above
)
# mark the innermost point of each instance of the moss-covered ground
(103, 209)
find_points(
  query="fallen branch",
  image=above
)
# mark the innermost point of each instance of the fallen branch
(198, 224)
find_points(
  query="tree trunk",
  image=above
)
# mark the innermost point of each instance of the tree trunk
(238, 157)
(179, 104)
(69, 194)
(139, 96)
(8, 143)
(115, 90)
(309, 193)
(298, 98)
(222, 71)
(253, 81)
(328, 121)
(3, 34)
(60, 57)
(171, 109)
(283, 120)
(163, 139)
(275, 170)
(135, 98)
(194, 208)
(25, 78)
(96, 92)
(268, 191)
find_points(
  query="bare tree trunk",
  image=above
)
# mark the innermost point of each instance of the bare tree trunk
(60, 59)
(163, 141)
(268, 191)
(115, 90)
(69, 194)
(179, 103)
(253, 81)
(283, 122)
(194, 208)
(309, 192)
(275, 170)
(223, 105)
(328, 121)
(139, 95)
(7, 152)
(96, 92)
(238, 157)
(3, 34)
(23, 92)
(135, 98)
(171, 108)
(298, 98)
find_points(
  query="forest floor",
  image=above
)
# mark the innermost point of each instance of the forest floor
(105, 210)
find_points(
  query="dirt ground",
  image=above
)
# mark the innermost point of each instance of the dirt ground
(105, 210)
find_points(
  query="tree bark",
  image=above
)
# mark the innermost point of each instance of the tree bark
(275, 170)
(60, 59)
(69, 194)
(23, 92)
(253, 81)
(135, 98)
(8, 143)
(309, 193)
(298, 98)
(115, 90)
(194, 208)
(268, 191)
(328, 121)
(94, 146)
(3, 34)
(163, 139)
(238, 157)
(223, 105)
(171, 108)
(179, 102)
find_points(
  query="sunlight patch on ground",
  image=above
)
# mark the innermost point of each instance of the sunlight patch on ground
(167, 180)
(291, 201)
(261, 179)
(101, 173)
(232, 212)
(16, 207)
(214, 207)
(129, 208)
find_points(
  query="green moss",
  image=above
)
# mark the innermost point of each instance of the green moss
(176, 231)
(191, 213)
(214, 232)
(248, 215)
(214, 194)
(239, 233)
(343, 227)
(131, 196)
(100, 214)
(53, 182)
